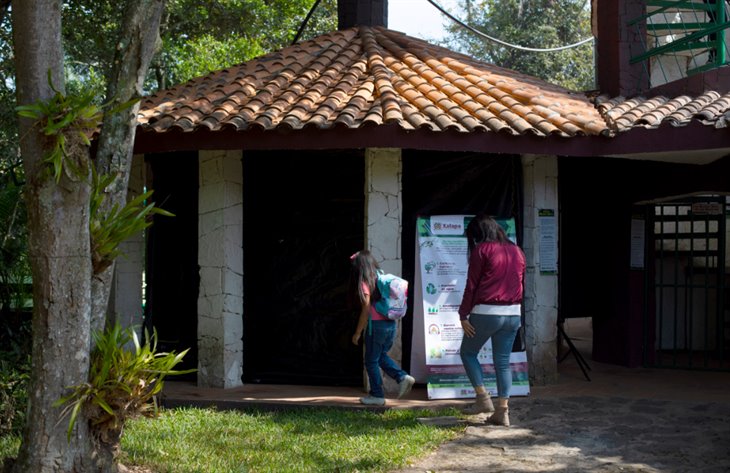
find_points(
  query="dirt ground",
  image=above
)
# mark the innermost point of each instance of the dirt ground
(592, 434)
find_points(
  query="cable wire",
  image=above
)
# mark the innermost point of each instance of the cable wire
(304, 23)
(503, 43)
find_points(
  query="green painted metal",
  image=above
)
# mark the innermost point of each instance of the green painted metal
(699, 36)
(678, 44)
(664, 5)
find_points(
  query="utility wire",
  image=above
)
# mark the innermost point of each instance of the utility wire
(503, 43)
(304, 23)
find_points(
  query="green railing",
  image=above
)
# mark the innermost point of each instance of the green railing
(701, 30)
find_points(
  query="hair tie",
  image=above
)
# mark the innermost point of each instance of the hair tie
(354, 255)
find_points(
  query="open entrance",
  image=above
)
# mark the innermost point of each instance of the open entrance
(303, 216)
(171, 293)
(687, 289)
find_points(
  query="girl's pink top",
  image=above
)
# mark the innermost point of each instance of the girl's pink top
(374, 315)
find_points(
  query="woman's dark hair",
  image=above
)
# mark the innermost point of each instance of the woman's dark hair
(484, 228)
(364, 269)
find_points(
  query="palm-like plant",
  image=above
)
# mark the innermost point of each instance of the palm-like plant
(122, 384)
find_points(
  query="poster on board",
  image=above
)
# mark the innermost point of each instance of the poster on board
(441, 268)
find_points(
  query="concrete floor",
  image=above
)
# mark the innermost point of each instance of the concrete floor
(605, 381)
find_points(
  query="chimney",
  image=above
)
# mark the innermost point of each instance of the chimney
(617, 42)
(362, 13)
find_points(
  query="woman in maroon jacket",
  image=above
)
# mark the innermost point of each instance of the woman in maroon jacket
(491, 308)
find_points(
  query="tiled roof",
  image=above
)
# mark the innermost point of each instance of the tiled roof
(366, 76)
(621, 114)
(371, 76)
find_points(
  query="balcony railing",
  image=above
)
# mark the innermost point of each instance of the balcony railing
(683, 37)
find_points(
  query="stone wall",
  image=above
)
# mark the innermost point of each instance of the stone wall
(220, 258)
(541, 290)
(383, 218)
(125, 298)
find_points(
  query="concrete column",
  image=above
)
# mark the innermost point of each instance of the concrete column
(384, 221)
(125, 298)
(220, 258)
(541, 290)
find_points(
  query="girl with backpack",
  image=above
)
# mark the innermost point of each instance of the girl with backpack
(379, 333)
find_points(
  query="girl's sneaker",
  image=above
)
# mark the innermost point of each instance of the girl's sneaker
(372, 401)
(405, 385)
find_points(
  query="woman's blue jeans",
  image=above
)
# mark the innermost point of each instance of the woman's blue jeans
(377, 345)
(502, 329)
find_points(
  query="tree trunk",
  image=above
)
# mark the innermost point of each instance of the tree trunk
(135, 48)
(58, 226)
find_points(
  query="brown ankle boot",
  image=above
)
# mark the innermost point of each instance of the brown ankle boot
(500, 416)
(483, 404)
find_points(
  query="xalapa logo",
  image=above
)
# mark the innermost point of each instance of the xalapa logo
(447, 227)
(439, 226)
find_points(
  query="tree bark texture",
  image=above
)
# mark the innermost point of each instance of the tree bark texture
(58, 225)
(138, 42)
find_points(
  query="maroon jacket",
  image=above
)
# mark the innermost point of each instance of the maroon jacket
(496, 275)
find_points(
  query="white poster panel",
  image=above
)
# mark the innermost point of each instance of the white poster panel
(441, 256)
(548, 241)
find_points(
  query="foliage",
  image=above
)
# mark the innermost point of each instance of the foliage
(9, 446)
(14, 265)
(301, 440)
(238, 30)
(122, 383)
(534, 24)
(109, 229)
(9, 157)
(197, 36)
(13, 395)
(65, 119)
(14, 374)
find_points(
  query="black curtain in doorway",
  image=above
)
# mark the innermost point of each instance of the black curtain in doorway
(172, 279)
(303, 216)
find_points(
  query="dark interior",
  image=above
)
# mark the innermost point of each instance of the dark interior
(172, 256)
(303, 215)
(597, 197)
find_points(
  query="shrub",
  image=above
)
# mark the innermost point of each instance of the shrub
(122, 383)
(13, 394)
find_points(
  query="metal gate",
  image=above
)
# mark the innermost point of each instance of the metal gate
(687, 321)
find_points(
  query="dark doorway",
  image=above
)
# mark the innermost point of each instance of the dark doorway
(303, 216)
(171, 294)
(597, 213)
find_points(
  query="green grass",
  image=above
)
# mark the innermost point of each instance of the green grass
(308, 440)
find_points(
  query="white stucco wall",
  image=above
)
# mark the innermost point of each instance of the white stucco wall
(125, 298)
(384, 222)
(220, 258)
(540, 175)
